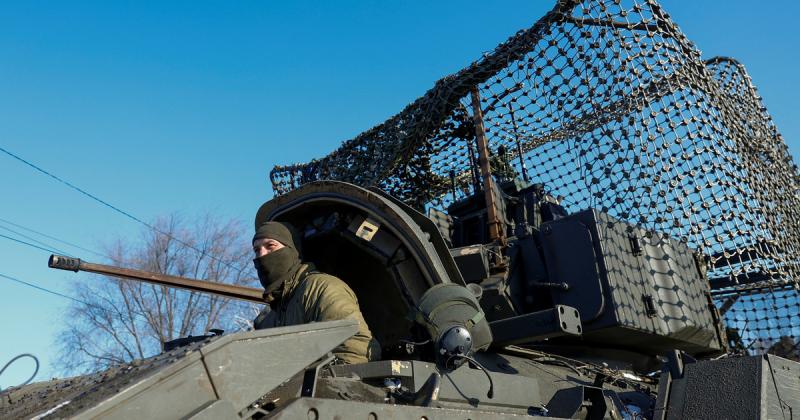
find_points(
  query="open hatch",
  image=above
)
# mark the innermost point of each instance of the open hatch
(387, 252)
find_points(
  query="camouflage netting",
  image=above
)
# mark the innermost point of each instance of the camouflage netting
(610, 106)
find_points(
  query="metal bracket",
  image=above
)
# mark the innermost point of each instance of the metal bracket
(311, 374)
(559, 321)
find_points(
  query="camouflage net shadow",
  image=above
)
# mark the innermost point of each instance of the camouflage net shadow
(610, 106)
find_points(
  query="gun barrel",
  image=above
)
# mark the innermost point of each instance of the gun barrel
(228, 290)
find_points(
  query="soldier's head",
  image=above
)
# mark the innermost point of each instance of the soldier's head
(277, 249)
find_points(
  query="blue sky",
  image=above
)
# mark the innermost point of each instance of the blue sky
(183, 107)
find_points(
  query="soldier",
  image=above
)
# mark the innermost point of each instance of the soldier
(298, 294)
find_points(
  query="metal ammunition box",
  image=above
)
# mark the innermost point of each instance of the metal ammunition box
(630, 285)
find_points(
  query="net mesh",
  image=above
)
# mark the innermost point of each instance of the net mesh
(610, 106)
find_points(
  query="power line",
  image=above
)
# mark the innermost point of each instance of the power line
(51, 237)
(35, 240)
(117, 209)
(43, 289)
(93, 197)
(74, 299)
(52, 251)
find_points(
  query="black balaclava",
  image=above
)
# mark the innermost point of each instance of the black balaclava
(278, 266)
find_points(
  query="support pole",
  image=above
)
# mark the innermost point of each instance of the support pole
(496, 229)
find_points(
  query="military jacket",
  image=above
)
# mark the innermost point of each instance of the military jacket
(310, 296)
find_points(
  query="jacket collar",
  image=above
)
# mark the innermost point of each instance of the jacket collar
(290, 285)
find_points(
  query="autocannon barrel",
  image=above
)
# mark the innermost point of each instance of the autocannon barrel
(228, 290)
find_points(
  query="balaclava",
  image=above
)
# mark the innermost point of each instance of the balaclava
(278, 266)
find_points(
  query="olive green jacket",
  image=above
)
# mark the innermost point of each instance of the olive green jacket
(311, 296)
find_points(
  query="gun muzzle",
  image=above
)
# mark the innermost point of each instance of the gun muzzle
(64, 263)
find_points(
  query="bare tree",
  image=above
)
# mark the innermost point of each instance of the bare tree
(122, 320)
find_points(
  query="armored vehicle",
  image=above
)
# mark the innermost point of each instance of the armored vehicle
(585, 223)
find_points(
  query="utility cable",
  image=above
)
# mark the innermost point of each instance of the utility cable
(52, 237)
(52, 251)
(117, 209)
(490, 393)
(53, 292)
(43, 289)
(35, 371)
(36, 241)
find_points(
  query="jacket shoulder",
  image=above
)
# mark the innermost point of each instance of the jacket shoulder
(318, 277)
(318, 283)
(326, 297)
